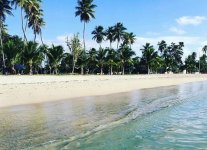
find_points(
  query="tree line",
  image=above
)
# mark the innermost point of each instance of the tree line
(20, 55)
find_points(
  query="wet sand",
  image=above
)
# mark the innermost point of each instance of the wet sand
(19, 90)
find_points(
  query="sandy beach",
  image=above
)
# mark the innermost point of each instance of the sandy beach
(19, 90)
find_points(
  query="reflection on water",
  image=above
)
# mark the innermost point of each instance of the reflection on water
(161, 118)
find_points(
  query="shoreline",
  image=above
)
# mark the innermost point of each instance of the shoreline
(24, 90)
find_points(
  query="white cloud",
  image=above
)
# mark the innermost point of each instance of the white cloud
(191, 20)
(177, 30)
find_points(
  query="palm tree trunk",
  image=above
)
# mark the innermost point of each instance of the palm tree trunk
(123, 70)
(84, 44)
(84, 28)
(41, 38)
(50, 70)
(110, 45)
(13, 69)
(82, 71)
(111, 73)
(35, 36)
(22, 18)
(25, 27)
(73, 67)
(2, 48)
(30, 69)
(101, 70)
(148, 69)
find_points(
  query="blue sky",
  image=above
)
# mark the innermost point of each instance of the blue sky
(150, 20)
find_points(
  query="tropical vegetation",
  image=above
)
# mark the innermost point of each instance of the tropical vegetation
(19, 55)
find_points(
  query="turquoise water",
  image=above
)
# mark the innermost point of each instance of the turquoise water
(172, 117)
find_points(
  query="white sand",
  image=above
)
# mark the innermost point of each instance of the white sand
(18, 90)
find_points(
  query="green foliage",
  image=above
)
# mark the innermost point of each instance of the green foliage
(55, 55)
(16, 51)
(172, 55)
(32, 55)
(125, 54)
(101, 58)
(119, 31)
(13, 48)
(149, 55)
(191, 63)
(75, 49)
(85, 10)
(203, 63)
(98, 34)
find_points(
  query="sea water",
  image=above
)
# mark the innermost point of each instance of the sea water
(162, 118)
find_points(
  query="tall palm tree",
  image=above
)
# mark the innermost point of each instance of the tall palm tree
(36, 22)
(110, 35)
(98, 34)
(4, 10)
(129, 38)
(149, 54)
(23, 4)
(119, 31)
(85, 10)
(34, 15)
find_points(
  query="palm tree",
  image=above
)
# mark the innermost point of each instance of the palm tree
(157, 63)
(23, 4)
(83, 61)
(203, 63)
(13, 49)
(162, 46)
(34, 15)
(129, 38)
(204, 49)
(191, 63)
(119, 31)
(172, 55)
(85, 10)
(4, 10)
(125, 56)
(149, 55)
(99, 34)
(101, 58)
(32, 54)
(36, 21)
(55, 55)
(111, 59)
(92, 60)
(110, 35)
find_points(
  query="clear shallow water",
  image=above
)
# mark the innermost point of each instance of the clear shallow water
(163, 118)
